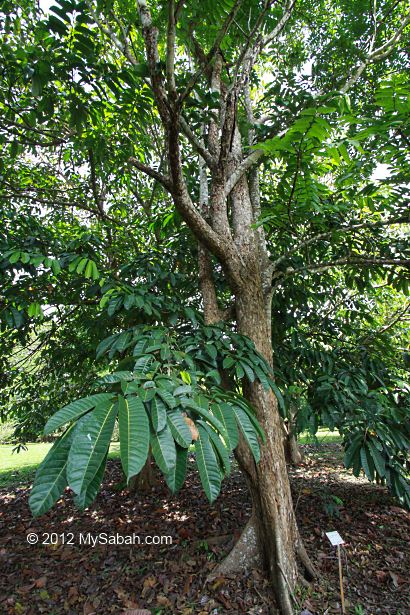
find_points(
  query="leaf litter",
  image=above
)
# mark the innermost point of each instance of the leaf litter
(141, 579)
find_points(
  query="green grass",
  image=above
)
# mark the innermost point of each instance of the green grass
(323, 436)
(19, 468)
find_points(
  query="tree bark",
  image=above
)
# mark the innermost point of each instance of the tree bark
(145, 480)
(293, 453)
(276, 528)
(271, 536)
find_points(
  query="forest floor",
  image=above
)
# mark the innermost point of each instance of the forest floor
(166, 579)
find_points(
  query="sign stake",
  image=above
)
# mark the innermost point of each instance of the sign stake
(336, 540)
(342, 595)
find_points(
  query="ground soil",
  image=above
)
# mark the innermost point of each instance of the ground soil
(80, 579)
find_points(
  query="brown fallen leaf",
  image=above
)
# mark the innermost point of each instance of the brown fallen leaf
(149, 583)
(163, 601)
(41, 582)
(25, 589)
(219, 581)
(187, 584)
(381, 576)
(88, 609)
(72, 595)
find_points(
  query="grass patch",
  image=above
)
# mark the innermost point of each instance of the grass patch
(19, 468)
(323, 436)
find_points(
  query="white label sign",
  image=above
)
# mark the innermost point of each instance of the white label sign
(335, 538)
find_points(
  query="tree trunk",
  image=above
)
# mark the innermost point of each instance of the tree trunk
(293, 453)
(145, 480)
(276, 529)
(271, 536)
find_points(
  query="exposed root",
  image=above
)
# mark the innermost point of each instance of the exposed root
(305, 560)
(245, 554)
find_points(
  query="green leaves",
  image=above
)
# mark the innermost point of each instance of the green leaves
(163, 450)
(134, 434)
(51, 479)
(179, 429)
(158, 414)
(208, 466)
(91, 441)
(224, 413)
(88, 495)
(162, 408)
(84, 266)
(74, 410)
(175, 478)
(248, 431)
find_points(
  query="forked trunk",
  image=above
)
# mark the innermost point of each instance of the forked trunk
(272, 528)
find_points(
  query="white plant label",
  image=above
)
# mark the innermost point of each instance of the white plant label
(335, 538)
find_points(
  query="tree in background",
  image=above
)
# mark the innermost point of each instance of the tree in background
(162, 118)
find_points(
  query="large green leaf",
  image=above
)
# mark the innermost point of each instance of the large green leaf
(134, 434)
(367, 462)
(167, 397)
(378, 460)
(91, 441)
(163, 449)
(74, 410)
(208, 465)
(220, 448)
(225, 415)
(51, 479)
(105, 345)
(248, 431)
(179, 429)
(208, 416)
(262, 377)
(116, 377)
(250, 412)
(158, 414)
(352, 449)
(87, 497)
(176, 477)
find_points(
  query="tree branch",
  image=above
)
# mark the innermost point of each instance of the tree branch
(150, 35)
(280, 276)
(218, 244)
(326, 234)
(375, 55)
(170, 59)
(213, 51)
(200, 149)
(109, 32)
(280, 25)
(164, 181)
(245, 165)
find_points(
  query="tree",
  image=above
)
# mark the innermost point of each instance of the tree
(269, 169)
